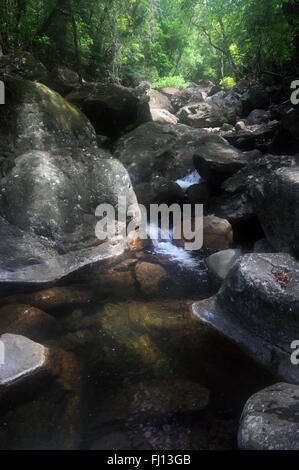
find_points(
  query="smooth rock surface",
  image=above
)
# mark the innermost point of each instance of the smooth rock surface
(257, 306)
(22, 357)
(219, 264)
(270, 419)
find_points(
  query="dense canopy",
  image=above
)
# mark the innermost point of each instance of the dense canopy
(165, 41)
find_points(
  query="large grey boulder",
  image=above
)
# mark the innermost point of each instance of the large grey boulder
(37, 118)
(158, 100)
(112, 109)
(270, 419)
(277, 200)
(258, 307)
(47, 208)
(201, 115)
(216, 160)
(228, 103)
(158, 150)
(242, 193)
(185, 97)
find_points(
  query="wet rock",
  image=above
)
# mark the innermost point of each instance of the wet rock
(216, 160)
(270, 419)
(257, 116)
(220, 263)
(117, 285)
(37, 118)
(257, 306)
(51, 419)
(112, 108)
(23, 65)
(51, 197)
(217, 233)
(158, 150)
(53, 298)
(26, 321)
(150, 277)
(201, 115)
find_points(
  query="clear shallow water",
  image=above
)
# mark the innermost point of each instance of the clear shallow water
(141, 372)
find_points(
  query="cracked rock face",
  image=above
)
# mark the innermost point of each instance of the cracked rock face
(258, 307)
(270, 419)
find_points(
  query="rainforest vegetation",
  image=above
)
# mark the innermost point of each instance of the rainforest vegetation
(168, 42)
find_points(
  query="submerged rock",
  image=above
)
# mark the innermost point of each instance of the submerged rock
(50, 377)
(270, 419)
(150, 277)
(166, 397)
(53, 298)
(27, 321)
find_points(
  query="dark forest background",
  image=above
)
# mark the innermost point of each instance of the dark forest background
(168, 42)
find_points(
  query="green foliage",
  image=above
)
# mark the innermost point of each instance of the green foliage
(228, 82)
(171, 81)
(169, 42)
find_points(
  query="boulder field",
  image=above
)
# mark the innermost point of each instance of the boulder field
(66, 147)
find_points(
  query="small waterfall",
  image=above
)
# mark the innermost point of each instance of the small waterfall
(189, 180)
(163, 245)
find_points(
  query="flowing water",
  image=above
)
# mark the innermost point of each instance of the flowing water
(141, 372)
